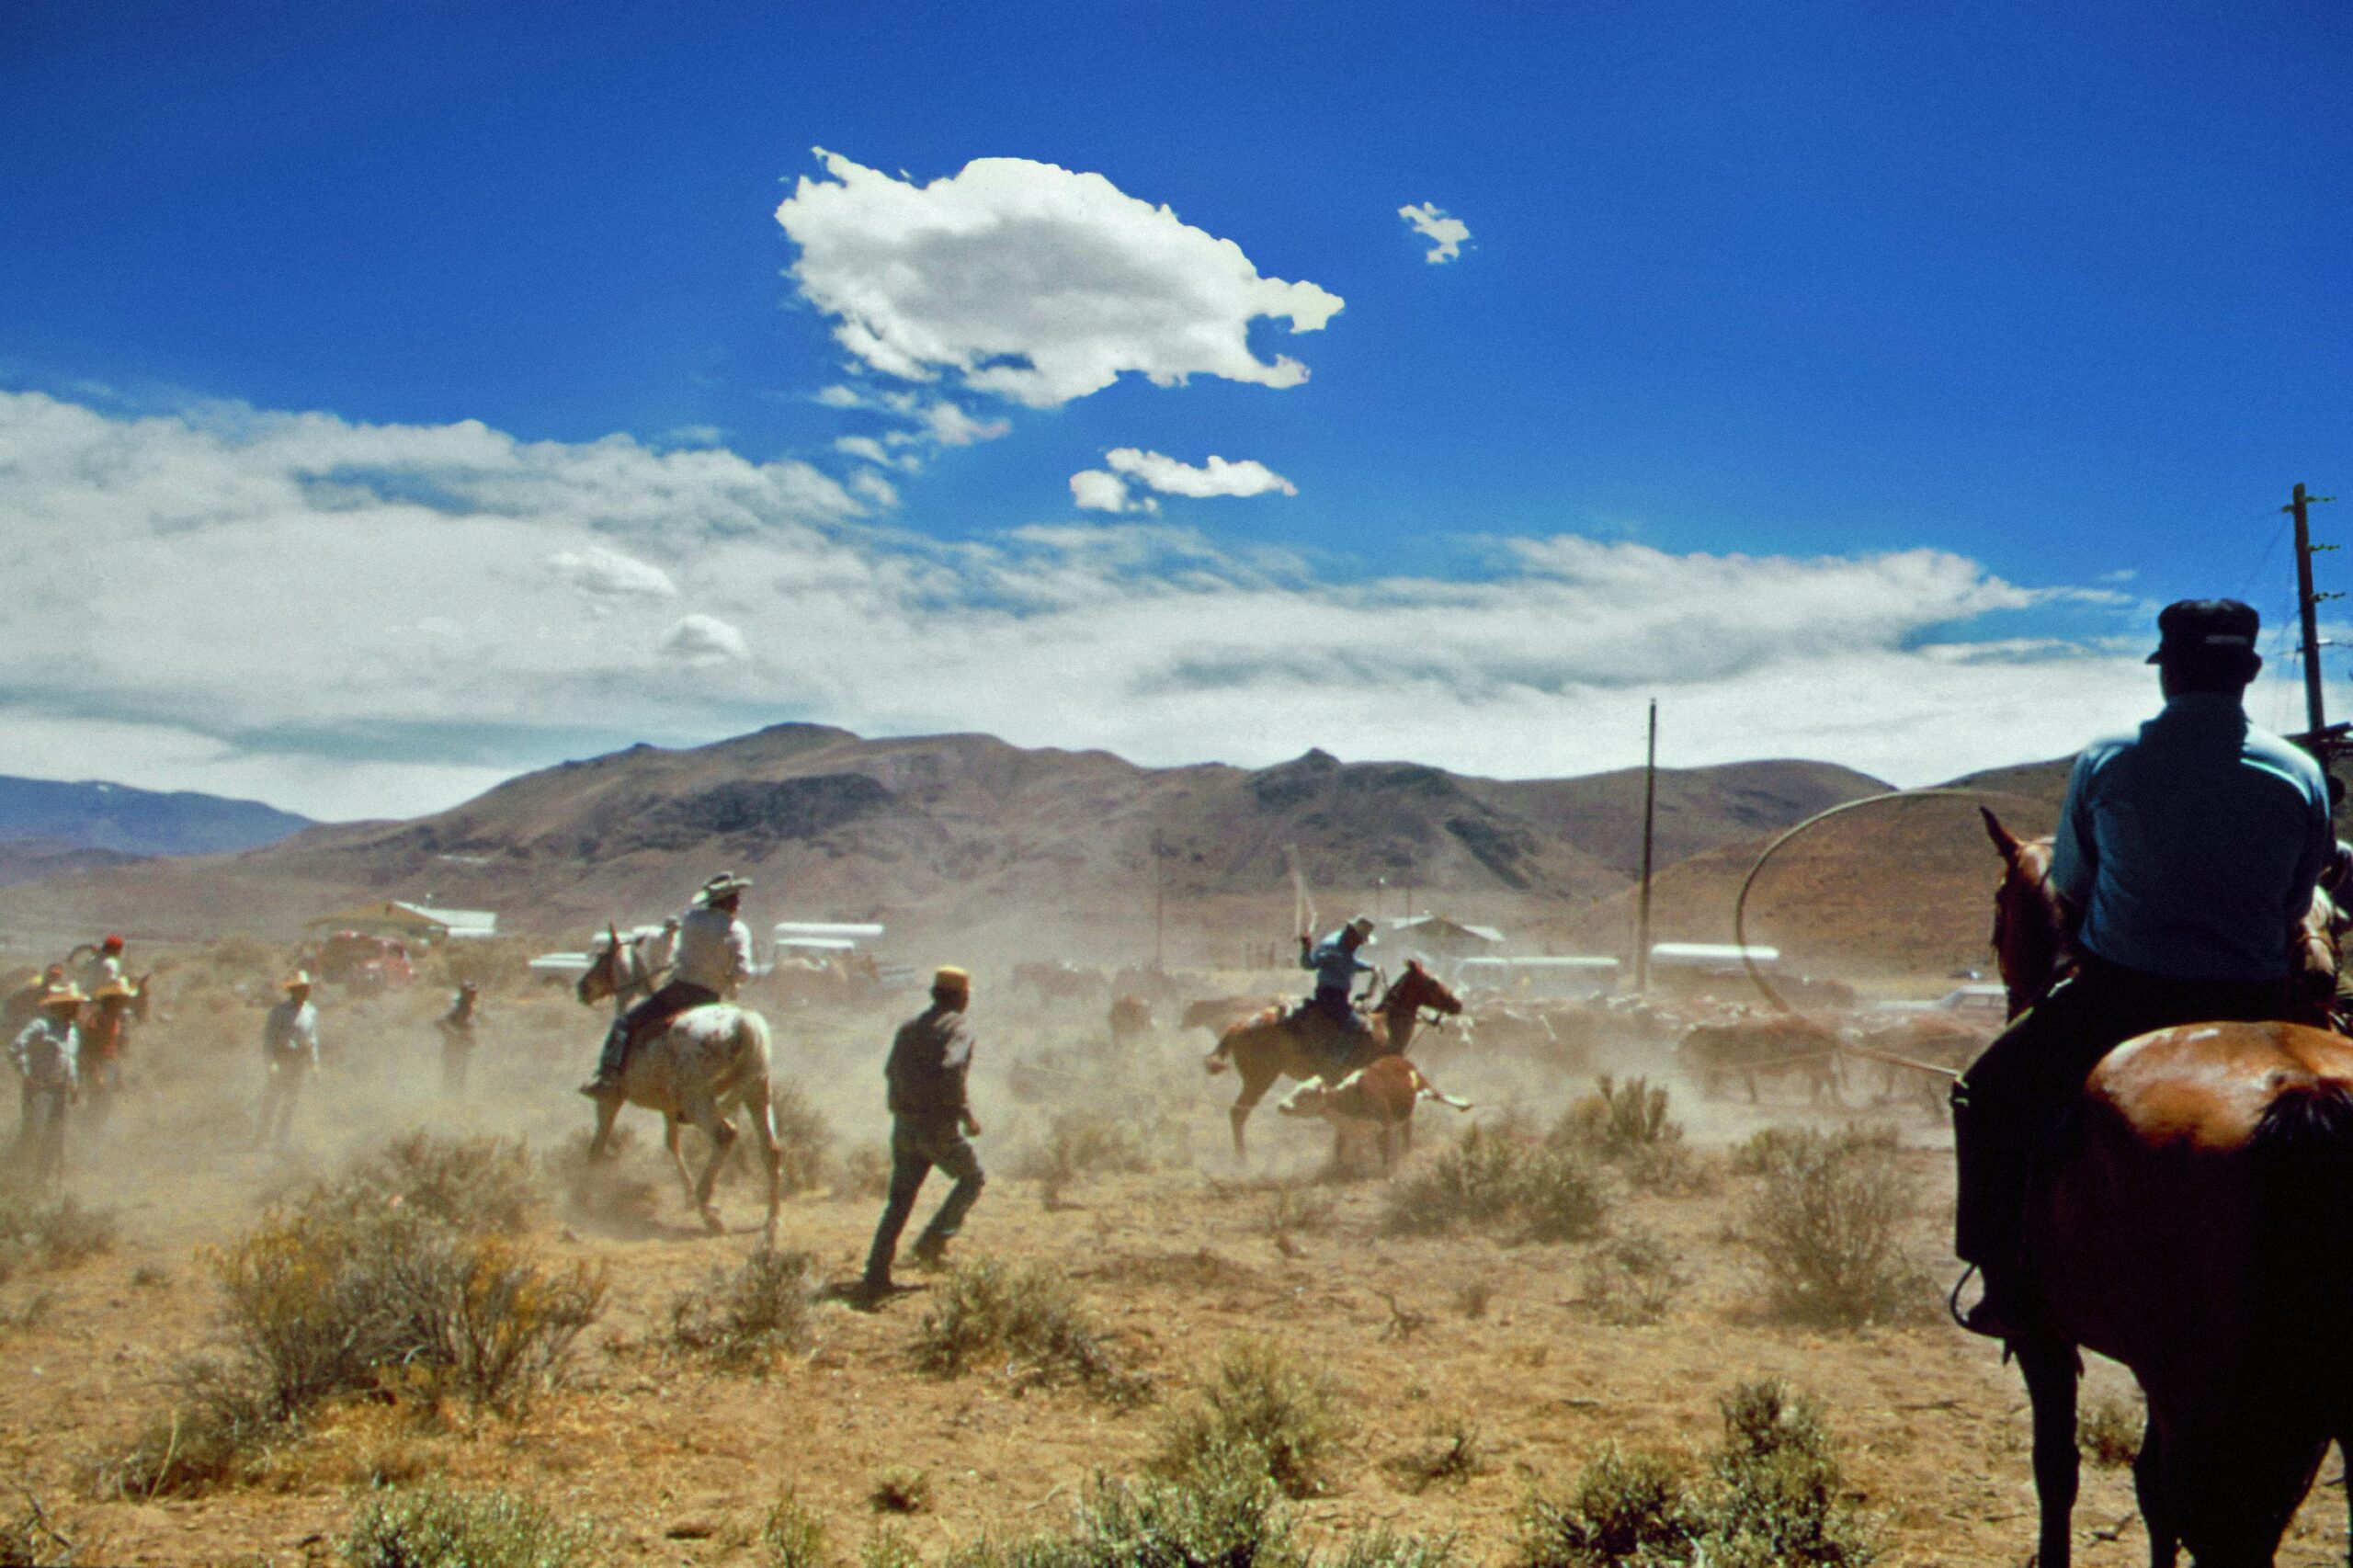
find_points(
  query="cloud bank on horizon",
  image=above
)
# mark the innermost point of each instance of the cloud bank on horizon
(360, 619)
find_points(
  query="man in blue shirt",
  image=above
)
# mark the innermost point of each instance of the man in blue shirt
(2189, 848)
(1336, 966)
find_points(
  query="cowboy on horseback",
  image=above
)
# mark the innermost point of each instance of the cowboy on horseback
(711, 957)
(1336, 966)
(2189, 849)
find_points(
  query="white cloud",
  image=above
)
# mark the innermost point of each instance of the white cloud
(872, 450)
(1031, 281)
(1092, 489)
(705, 639)
(351, 618)
(874, 488)
(597, 570)
(1216, 477)
(1446, 234)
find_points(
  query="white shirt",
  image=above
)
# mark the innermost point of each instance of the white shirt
(714, 950)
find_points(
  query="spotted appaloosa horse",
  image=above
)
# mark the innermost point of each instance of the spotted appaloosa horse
(708, 1062)
(2193, 1220)
(1270, 1046)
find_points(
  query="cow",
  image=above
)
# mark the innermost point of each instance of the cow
(1130, 1020)
(1746, 1050)
(1219, 1014)
(1376, 1101)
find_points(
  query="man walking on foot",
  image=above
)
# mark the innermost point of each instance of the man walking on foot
(930, 1120)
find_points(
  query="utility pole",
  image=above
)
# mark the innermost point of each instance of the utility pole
(1159, 902)
(1650, 816)
(2307, 608)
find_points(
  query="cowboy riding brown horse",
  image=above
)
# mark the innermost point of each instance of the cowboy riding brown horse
(1276, 1044)
(2191, 1218)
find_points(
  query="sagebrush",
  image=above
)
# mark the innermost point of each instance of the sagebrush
(747, 1317)
(1262, 1408)
(1826, 1223)
(435, 1527)
(1027, 1315)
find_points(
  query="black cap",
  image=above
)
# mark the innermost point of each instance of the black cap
(2205, 627)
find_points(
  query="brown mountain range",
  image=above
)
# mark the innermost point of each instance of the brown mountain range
(1039, 850)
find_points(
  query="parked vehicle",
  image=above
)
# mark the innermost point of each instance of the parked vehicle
(365, 964)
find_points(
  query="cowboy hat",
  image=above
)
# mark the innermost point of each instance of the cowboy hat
(116, 987)
(1362, 926)
(299, 981)
(722, 886)
(66, 996)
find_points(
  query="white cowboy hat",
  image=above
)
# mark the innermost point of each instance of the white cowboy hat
(719, 886)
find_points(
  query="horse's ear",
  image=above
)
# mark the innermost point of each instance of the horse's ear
(1416, 965)
(2003, 839)
(613, 929)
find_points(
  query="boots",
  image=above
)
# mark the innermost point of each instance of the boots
(1989, 1213)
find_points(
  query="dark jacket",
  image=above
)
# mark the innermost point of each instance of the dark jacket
(929, 1061)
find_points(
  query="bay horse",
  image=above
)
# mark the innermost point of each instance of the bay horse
(708, 1062)
(2193, 1221)
(1268, 1047)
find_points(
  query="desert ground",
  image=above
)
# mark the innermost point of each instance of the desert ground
(1469, 1371)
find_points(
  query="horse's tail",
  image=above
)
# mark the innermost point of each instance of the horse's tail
(2302, 1150)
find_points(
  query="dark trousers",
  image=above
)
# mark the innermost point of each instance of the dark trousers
(2014, 1094)
(644, 1019)
(917, 1145)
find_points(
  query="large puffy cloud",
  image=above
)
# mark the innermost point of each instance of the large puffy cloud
(1031, 281)
(355, 619)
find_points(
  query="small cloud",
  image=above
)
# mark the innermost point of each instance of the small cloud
(611, 575)
(875, 488)
(1216, 477)
(705, 639)
(1096, 490)
(692, 435)
(1446, 234)
(841, 397)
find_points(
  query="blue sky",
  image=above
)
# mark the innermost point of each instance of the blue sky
(2057, 294)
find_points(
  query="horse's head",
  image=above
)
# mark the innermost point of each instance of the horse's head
(1417, 988)
(2032, 931)
(606, 974)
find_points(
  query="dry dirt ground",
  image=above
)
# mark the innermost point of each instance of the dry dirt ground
(679, 1464)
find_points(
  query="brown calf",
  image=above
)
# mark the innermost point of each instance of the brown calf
(1375, 1101)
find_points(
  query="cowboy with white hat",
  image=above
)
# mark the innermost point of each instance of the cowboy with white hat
(712, 956)
(1333, 960)
(290, 1054)
(47, 1054)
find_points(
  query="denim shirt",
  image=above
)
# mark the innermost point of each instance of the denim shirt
(1335, 966)
(2192, 844)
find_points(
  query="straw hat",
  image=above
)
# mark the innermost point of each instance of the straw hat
(117, 988)
(299, 981)
(949, 977)
(67, 995)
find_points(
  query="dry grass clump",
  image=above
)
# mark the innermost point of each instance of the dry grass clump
(470, 1184)
(804, 1134)
(435, 1527)
(346, 1293)
(33, 1539)
(2109, 1432)
(793, 1537)
(1078, 1145)
(1499, 1180)
(1029, 1315)
(1627, 1125)
(865, 1172)
(1633, 1279)
(1771, 1496)
(745, 1318)
(1453, 1450)
(900, 1489)
(1826, 1225)
(1262, 1409)
(52, 1235)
